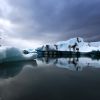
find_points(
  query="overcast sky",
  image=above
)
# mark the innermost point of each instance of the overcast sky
(30, 23)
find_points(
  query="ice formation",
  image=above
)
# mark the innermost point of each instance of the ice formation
(81, 45)
(13, 54)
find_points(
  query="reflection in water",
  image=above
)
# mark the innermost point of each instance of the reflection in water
(11, 69)
(50, 83)
(73, 63)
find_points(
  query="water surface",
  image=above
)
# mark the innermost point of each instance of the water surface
(51, 79)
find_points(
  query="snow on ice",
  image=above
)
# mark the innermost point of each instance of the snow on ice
(80, 43)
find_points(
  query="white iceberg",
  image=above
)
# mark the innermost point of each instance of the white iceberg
(14, 54)
(81, 45)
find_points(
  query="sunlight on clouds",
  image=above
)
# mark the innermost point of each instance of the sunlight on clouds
(5, 8)
(6, 26)
(20, 43)
(5, 23)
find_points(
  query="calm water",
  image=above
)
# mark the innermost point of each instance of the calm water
(51, 79)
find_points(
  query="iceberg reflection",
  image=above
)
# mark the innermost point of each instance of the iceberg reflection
(11, 69)
(73, 63)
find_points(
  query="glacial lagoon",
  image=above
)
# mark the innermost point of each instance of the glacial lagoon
(51, 79)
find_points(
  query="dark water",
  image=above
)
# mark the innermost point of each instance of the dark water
(51, 79)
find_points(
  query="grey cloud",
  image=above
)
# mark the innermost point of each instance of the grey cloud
(56, 19)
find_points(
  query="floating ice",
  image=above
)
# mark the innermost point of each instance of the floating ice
(14, 54)
(81, 45)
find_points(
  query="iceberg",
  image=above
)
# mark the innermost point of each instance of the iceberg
(14, 54)
(81, 44)
(78, 42)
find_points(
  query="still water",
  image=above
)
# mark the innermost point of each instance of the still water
(51, 79)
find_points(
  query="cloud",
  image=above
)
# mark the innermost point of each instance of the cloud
(52, 20)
